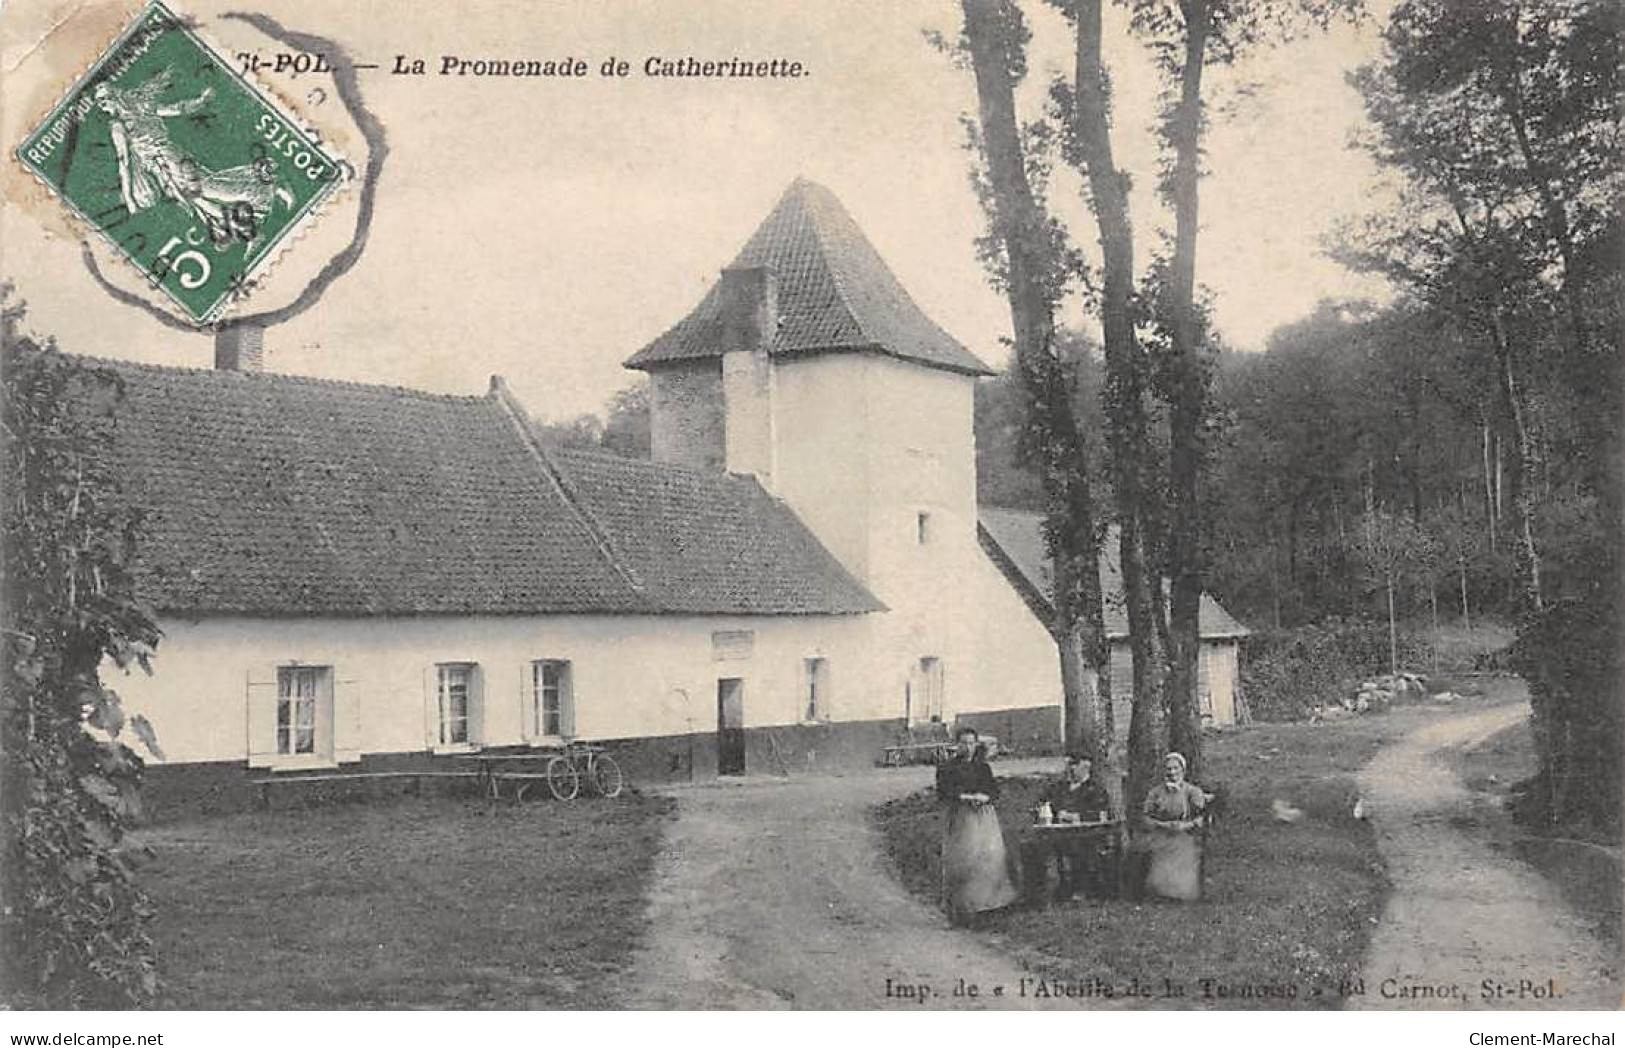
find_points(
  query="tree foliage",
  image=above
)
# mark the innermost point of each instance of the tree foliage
(1354, 410)
(1156, 342)
(1502, 119)
(623, 430)
(75, 917)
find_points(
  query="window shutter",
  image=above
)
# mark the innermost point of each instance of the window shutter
(567, 700)
(260, 704)
(431, 715)
(346, 706)
(826, 708)
(476, 704)
(527, 702)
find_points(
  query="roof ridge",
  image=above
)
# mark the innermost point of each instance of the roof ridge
(274, 376)
(595, 529)
(674, 468)
(824, 255)
(830, 254)
(835, 290)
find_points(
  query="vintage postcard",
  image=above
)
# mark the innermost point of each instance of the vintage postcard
(961, 504)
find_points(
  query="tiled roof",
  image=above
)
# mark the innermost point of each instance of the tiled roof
(278, 495)
(1015, 541)
(708, 541)
(835, 294)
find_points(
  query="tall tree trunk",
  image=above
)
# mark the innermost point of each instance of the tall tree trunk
(1185, 409)
(1466, 619)
(1572, 332)
(1523, 465)
(1601, 464)
(1500, 486)
(1033, 283)
(1393, 630)
(1275, 583)
(1433, 601)
(1124, 398)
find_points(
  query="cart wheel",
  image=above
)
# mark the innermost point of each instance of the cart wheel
(562, 779)
(607, 777)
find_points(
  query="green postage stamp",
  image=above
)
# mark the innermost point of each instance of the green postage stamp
(190, 172)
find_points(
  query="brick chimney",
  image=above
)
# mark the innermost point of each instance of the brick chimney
(239, 347)
(750, 319)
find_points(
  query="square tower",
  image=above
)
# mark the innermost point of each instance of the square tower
(809, 366)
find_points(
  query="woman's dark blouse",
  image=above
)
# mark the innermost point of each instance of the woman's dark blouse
(958, 776)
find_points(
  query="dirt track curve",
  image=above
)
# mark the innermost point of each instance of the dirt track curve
(775, 894)
(1461, 914)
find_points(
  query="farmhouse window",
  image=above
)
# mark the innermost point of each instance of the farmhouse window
(457, 697)
(302, 715)
(925, 700)
(815, 693)
(301, 690)
(551, 699)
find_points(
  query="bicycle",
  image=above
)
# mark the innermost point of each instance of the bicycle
(580, 760)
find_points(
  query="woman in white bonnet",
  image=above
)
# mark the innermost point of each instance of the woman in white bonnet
(1173, 812)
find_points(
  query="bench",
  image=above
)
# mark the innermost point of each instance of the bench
(415, 777)
(928, 744)
(525, 779)
(899, 754)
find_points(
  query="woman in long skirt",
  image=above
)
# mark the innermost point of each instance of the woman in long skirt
(1173, 814)
(976, 874)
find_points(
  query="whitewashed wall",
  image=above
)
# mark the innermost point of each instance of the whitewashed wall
(632, 676)
(1017, 663)
(629, 675)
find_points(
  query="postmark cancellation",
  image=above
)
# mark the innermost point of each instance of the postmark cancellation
(190, 172)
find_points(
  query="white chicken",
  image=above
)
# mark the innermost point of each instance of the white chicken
(1285, 812)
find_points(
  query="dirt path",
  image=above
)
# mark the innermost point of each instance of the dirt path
(774, 895)
(1460, 914)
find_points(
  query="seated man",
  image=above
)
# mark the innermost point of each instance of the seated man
(1078, 797)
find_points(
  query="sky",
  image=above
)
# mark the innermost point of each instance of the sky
(545, 230)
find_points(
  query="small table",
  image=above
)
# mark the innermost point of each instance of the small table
(1042, 842)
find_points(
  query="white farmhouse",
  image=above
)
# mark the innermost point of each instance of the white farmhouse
(358, 577)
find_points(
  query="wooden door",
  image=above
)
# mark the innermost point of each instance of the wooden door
(730, 726)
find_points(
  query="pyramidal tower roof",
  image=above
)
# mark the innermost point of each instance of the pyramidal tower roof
(834, 294)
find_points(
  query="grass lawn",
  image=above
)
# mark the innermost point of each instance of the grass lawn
(1288, 908)
(432, 903)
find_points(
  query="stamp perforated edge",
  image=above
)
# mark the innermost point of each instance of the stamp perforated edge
(268, 97)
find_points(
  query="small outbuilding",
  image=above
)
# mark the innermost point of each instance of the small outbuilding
(1015, 540)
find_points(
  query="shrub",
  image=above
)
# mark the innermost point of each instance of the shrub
(73, 918)
(1570, 656)
(1286, 672)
